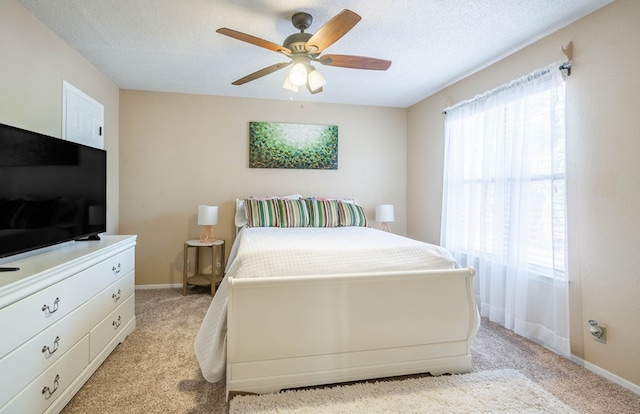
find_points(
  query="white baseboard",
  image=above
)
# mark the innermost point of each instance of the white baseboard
(606, 374)
(166, 286)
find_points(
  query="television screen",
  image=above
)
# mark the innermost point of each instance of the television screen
(51, 191)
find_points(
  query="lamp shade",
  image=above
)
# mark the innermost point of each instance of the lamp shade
(298, 74)
(384, 213)
(207, 215)
(288, 85)
(316, 80)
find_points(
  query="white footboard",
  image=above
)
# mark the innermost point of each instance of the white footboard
(297, 331)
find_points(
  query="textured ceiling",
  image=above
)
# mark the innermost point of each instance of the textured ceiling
(172, 46)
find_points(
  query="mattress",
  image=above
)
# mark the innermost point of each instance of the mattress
(268, 251)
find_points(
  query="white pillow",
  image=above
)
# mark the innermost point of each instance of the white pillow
(344, 200)
(241, 211)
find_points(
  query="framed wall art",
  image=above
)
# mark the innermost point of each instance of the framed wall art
(296, 146)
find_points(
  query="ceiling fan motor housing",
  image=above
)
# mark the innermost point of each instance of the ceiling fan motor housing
(296, 42)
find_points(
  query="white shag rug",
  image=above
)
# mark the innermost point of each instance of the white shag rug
(503, 391)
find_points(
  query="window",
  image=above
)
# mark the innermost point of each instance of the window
(504, 201)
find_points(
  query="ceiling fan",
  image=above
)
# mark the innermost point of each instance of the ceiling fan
(304, 48)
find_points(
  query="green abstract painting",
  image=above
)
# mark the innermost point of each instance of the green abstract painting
(301, 146)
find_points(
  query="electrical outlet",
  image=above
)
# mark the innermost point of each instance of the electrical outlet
(602, 338)
(598, 332)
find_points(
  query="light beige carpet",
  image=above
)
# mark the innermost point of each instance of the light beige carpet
(502, 391)
(155, 370)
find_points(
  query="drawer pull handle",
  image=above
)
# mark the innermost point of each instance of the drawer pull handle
(48, 311)
(48, 351)
(116, 324)
(116, 269)
(116, 296)
(48, 392)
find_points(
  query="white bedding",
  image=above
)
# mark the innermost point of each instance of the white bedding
(267, 251)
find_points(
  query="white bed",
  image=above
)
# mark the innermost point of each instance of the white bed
(309, 306)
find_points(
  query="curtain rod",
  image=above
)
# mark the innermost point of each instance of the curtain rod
(565, 67)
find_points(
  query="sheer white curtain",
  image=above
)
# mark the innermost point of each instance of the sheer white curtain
(504, 203)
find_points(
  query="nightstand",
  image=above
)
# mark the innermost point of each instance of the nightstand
(198, 278)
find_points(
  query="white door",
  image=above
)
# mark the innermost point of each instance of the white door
(82, 117)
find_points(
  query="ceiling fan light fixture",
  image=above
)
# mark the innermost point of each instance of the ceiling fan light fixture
(298, 74)
(316, 80)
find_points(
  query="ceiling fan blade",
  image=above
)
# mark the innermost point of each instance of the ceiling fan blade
(253, 40)
(261, 73)
(332, 30)
(355, 62)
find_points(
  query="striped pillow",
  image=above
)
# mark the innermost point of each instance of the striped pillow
(323, 213)
(293, 213)
(262, 213)
(351, 215)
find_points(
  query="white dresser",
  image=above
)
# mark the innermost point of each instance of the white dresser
(61, 315)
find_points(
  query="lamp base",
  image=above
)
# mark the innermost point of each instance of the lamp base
(385, 227)
(207, 234)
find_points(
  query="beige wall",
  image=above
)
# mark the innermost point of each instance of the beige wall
(603, 145)
(178, 151)
(33, 64)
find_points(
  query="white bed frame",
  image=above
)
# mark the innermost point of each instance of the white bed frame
(287, 332)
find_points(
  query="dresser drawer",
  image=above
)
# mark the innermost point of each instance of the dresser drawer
(26, 318)
(33, 357)
(41, 392)
(110, 326)
(112, 269)
(111, 297)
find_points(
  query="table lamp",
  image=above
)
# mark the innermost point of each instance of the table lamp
(384, 215)
(207, 218)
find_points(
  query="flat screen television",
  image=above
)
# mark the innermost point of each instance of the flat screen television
(51, 191)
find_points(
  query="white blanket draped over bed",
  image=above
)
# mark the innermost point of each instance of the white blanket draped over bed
(268, 251)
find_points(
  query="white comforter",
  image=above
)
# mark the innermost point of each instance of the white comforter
(266, 251)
